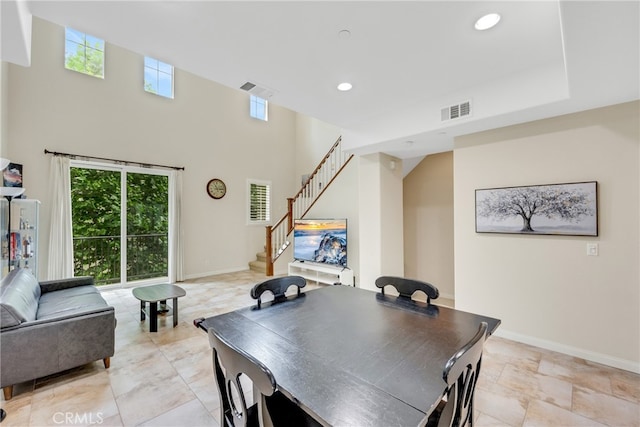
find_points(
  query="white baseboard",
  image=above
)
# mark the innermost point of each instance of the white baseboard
(446, 296)
(215, 272)
(604, 359)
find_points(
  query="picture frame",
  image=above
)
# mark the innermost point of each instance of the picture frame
(12, 175)
(569, 209)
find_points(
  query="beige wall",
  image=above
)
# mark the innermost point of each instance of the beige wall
(546, 290)
(206, 129)
(428, 222)
(314, 138)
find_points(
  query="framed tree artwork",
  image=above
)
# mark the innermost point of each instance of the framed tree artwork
(562, 209)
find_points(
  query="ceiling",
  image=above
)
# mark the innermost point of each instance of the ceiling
(406, 60)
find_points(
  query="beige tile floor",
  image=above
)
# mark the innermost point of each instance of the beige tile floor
(165, 378)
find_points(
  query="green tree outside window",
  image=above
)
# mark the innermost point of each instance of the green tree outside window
(84, 53)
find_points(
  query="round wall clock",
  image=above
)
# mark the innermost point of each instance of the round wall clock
(216, 188)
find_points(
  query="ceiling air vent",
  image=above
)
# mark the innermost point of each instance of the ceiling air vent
(257, 90)
(456, 111)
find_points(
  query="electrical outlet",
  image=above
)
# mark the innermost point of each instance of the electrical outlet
(592, 249)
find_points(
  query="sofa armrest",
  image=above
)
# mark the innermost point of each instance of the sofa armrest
(72, 282)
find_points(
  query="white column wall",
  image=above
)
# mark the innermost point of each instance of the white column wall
(381, 218)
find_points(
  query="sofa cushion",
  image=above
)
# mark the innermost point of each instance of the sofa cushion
(19, 295)
(71, 301)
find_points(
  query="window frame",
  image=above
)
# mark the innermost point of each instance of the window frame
(263, 220)
(123, 170)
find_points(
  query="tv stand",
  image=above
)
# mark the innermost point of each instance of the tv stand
(320, 273)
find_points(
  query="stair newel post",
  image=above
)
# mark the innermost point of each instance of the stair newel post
(290, 201)
(269, 251)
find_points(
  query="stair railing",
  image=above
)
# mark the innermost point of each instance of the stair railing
(299, 205)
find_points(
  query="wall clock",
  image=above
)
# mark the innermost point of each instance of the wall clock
(216, 188)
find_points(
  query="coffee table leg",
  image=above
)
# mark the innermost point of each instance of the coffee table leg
(142, 316)
(153, 322)
(175, 312)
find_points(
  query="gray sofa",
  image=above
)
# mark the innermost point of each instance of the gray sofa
(51, 326)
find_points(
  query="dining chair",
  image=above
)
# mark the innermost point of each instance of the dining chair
(277, 286)
(460, 373)
(271, 407)
(407, 287)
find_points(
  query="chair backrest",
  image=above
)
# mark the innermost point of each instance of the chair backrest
(407, 287)
(461, 375)
(277, 286)
(229, 363)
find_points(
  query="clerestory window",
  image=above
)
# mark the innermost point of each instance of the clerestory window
(158, 77)
(258, 108)
(83, 53)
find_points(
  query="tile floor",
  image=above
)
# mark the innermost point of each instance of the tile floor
(165, 378)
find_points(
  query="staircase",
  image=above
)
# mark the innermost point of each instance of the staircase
(277, 236)
(260, 264)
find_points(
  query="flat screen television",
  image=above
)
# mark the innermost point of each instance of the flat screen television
(320, 240)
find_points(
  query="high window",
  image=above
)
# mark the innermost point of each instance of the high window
(258, 108)
(83, 53)
(259, 202)
(158, 77)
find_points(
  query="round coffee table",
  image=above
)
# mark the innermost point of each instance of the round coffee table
(154, 294)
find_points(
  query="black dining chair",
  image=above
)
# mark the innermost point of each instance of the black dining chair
(461, 375)
(407, 287)
(272, 407)
(277, 286)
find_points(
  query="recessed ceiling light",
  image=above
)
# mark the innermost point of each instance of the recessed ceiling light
(343, 87)
(487, 21)
(344, 34)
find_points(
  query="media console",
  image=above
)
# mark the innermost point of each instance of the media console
(322, 273)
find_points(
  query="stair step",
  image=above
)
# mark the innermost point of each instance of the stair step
(258, 266)
(262, 256)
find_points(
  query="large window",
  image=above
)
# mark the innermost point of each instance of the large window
(83, 53)
(258, 108)
(120, 220)
(158, 77)
(259, 202)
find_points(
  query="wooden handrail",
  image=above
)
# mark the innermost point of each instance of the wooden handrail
(315, 171)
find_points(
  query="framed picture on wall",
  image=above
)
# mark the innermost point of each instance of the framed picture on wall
(562, 209)
(12, 175)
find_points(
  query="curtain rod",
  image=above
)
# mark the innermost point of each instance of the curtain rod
(126, 162)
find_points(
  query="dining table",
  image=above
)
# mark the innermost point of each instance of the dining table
(350, 356)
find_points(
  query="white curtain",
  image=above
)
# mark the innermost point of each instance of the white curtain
(61, 234)
(176, 270)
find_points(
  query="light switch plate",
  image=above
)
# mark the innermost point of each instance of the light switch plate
(592, 249)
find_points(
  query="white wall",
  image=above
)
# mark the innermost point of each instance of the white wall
(314, 138)
(381, 222)
(206, 129)
(546, 290)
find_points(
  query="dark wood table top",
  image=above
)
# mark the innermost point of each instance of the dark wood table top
(161, 292)
(351, 356)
